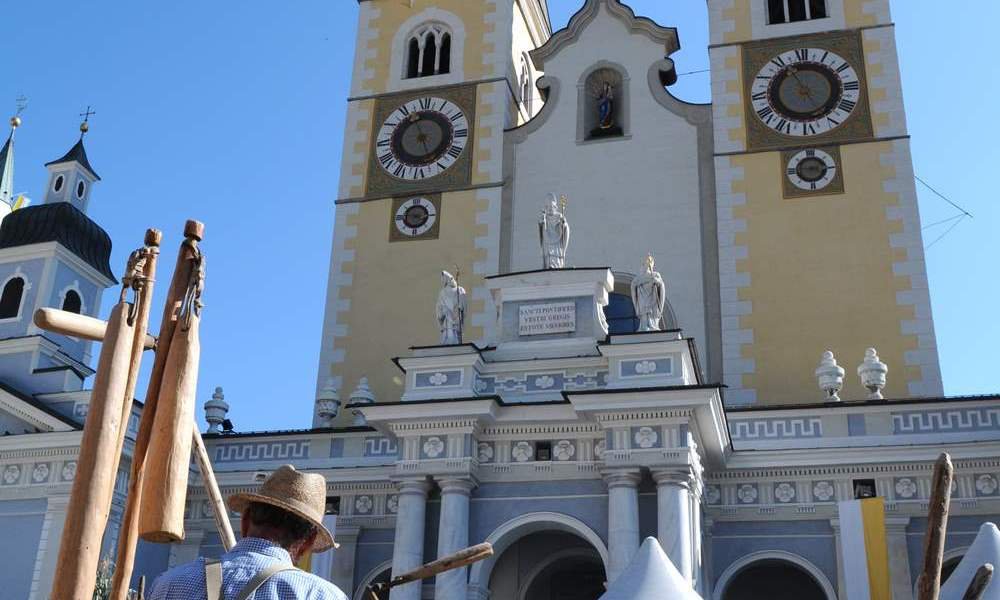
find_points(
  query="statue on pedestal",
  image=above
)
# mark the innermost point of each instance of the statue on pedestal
(649, 296)
(553, 233)
(450, 309)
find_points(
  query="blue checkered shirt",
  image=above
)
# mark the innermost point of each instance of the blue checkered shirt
(239, 565)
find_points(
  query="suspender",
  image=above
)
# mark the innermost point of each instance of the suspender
(213, 579)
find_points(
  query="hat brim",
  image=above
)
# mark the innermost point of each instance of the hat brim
(324, 539)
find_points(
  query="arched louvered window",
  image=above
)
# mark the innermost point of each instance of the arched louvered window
(527, 86)
(11, 298)
(428, 51)
(72, 302)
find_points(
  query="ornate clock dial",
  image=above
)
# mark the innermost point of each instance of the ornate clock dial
(811, 170)
(415, 217)
(422, 138)
(805, 92)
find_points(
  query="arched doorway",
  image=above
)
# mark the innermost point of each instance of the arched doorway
(543, 556)
(548, 565)
(773, 575)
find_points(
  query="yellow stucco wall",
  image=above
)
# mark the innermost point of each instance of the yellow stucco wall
(821, 278)
(395, 287)
(394, 13)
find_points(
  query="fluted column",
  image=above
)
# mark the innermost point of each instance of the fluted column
(453, 535)
(623, 519)
(673, 518)
(408, 548)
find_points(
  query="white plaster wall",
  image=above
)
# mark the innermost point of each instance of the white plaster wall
(625, 197)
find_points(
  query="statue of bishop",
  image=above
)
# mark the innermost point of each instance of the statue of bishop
(450, 309)
(553, 232)
(649, 296)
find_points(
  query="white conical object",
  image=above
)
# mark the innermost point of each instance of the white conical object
(650, 576)
(984, 549)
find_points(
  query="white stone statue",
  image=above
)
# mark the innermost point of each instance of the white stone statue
(450, 309)
(649, 296)
(553, 232)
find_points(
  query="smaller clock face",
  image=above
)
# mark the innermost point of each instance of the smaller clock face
(811, 170)
(422, 138)
(415, 217)
(805, 92)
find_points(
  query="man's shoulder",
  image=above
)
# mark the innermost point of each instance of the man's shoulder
(180, 577)
(325, 589)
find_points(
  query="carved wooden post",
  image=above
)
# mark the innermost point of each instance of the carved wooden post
(929, 581)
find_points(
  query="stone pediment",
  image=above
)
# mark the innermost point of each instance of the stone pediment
(20, 414)
(590, 11)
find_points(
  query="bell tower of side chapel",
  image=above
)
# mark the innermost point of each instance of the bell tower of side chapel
(435, 84)
(819, 232)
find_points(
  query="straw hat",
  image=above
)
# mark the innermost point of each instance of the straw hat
(302, 494)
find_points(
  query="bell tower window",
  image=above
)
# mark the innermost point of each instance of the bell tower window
(11, 297)
(428, 51)
(793, 11)
(72, 302)
(58, 184)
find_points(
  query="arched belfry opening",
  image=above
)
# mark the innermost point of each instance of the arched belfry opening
(773, 579)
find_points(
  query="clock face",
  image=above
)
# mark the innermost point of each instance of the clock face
(415, 217)
(805, 92)
(422, 138)
(811, 170)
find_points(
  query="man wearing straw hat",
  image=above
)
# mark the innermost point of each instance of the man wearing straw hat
(280, 523)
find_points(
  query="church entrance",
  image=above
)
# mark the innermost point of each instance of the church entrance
(773, 579)
(548, 565)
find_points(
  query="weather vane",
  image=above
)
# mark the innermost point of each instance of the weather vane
(22, 103)
(84, 127)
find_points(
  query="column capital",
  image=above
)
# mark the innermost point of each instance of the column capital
(622, 477)
(414, 485)
(679, 477)
(896, 524)
(457, 485)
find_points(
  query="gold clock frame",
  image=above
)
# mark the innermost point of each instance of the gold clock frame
(847, 44)
(395, 235)
(380, 184)
(836, 186)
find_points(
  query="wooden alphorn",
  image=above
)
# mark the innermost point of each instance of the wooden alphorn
(457, 560)
(78, 326)
(929, 580)
(90, 500)
(129, 534)
(980, 582)
(168, 457)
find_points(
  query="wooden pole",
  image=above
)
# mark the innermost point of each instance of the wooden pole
(168, 457)
(214, 494)
(980, 582)
(129, 534)
(79, 326)
(929, 580)
(90, 500)
(457, 560)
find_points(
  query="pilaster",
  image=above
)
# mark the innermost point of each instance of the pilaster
(899, 557)
(48, 546)
(187, 550)
(342, 569)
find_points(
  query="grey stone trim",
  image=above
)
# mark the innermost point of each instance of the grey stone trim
(700, 115)
(743, 42)
(550, 89)
(460, 188)
(429, 89)
(562, 38)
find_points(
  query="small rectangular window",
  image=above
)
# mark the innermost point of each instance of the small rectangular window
(864, 488)
(775, 11)
(543, 451)
(797, 11)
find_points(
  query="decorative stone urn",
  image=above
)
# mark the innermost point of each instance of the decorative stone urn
(361, 395)
(831, 377)
(216, 410)
(328, 403)
(872, 372)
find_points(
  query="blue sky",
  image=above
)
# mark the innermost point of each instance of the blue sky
(234, 117)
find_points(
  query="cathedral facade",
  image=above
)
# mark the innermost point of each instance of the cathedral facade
(541, 411)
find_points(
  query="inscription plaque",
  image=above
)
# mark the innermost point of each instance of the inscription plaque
(552, 317)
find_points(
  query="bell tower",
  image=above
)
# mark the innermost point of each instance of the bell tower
(819, 231)
(435, 84)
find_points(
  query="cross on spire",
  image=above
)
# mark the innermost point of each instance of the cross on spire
(86, 114)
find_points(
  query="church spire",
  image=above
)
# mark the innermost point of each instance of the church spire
(7, 169)
(71, 176)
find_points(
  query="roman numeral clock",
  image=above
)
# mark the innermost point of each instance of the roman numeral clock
(422, 145)
(804, 97)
